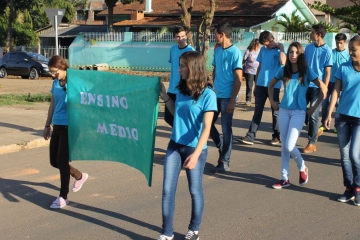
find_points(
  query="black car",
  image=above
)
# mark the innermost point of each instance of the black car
(24, 64)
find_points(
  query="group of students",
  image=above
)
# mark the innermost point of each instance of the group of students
(193, 105)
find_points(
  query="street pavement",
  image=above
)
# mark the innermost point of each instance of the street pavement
(116, 203)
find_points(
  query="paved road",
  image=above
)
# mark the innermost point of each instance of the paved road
(116, 203)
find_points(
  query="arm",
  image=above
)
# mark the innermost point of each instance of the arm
(327, 76)
(213, 75)
(334, 97)
(274, 105)
(256, 76)
(282, 58)
(323, 91)
(238, 73)
(191, 161)
(46, 131)
(167, 100)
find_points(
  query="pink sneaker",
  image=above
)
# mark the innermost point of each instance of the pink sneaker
(304, 177)
(281, 184)
(59, 203)
(78, 183)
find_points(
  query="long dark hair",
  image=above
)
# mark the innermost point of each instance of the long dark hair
(301, 63)
(198, 78)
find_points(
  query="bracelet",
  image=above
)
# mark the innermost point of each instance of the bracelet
(167, 100)
(47, 126)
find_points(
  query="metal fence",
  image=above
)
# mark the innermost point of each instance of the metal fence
(100, 36)
(47, 51)
(168, 37)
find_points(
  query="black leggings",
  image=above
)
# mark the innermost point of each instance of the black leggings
(59, 158)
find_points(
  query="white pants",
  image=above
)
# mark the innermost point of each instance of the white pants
(290, 125)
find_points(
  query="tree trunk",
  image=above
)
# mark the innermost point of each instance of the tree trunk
(208, 22)
(10, 23)
(110, 18)
(186, 18)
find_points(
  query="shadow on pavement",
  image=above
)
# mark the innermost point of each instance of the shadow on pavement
(11, 189)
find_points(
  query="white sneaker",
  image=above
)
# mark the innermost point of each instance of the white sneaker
(59, 203)
(163, 237)
(78, 183)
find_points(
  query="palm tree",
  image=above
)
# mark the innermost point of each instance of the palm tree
(293, 23)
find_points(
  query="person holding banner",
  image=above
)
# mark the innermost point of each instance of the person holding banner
(59, 146)
(193, 113)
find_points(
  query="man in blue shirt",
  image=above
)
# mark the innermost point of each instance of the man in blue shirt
(270, 59)
(180, 36)
(318, 56)
(227, 76)
(339, 56)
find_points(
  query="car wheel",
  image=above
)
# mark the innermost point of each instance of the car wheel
(34, 73)
(3, 73)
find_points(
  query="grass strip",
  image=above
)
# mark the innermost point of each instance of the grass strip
(23, 99)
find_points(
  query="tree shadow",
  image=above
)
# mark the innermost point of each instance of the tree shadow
(22, 128)
(13, 189)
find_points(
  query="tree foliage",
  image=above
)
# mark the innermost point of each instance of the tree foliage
(348, 15)
(293, 23)
(111, 4)
(30, 12)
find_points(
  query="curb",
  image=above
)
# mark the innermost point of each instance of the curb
(36, 143)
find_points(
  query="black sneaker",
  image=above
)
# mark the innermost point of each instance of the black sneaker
(245, 140)
(221, 167)
(357, 196)
(347, 196)
(191, 235)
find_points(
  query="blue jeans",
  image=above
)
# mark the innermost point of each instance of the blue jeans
(312, 95)
(224, 143)
(174, 160)
(261, 94)
(325, 103)
(348, 131)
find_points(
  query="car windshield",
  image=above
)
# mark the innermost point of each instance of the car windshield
(38, 57)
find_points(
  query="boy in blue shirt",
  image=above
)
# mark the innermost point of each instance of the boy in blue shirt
(318, 56)
(270, 58)
(339, 56)
(180, 36)
(227, 76)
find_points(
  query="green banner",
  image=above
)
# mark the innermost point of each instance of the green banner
(113, 117)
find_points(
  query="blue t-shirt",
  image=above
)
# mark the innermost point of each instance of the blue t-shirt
(349, 103)
(318, 58)
(188, 117)
(338, 59)
(60, 116)
(270, 64)
(226, 61)
(174, 60)
(294, 97)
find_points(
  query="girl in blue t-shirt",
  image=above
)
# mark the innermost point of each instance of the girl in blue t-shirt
(347, 121)
(193, 114)
(296, 77)
(59, 146)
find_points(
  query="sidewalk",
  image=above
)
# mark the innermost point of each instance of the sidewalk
(21, 126)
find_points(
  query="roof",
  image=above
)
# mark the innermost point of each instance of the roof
(240, 13)
(228, 7)
(73, 31)
(171, 21)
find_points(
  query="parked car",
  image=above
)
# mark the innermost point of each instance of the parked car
(24, 64)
